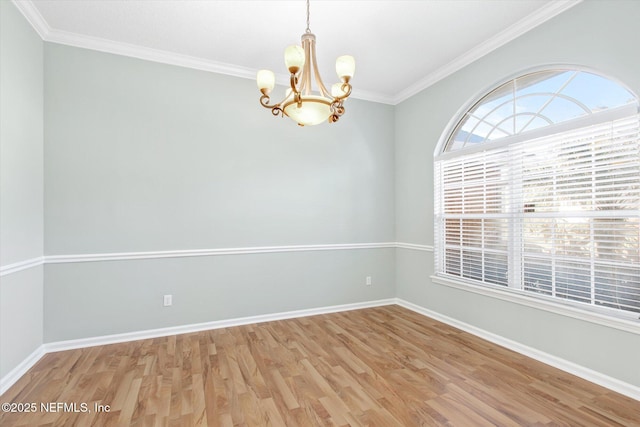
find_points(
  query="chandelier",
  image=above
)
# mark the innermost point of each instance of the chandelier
(301, 103)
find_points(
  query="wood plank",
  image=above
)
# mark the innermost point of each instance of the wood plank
(384, 366)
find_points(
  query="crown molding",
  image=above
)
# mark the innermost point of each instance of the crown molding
(48, 34)
(539, 17)
(33, 16)
(171, 58)
(148, 54)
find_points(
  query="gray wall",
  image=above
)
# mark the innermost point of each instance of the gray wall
(142, 156)
(95, 299)
(596, 34)
(21, 186)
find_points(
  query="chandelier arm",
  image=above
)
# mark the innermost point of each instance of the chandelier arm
(346, 88)
(295, 91)
(321, 87)
(276, 109)
(306, 72)
(293, 82)
(337, 107)
(337, 110)
(264, 101)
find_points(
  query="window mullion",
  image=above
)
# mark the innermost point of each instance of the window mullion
(592, 239)
(514, 257)
(463, 209)
(554, 237)
(483, 222)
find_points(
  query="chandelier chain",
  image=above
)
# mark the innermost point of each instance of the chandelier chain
(308, 31)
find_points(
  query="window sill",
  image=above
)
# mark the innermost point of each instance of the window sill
(627, 324)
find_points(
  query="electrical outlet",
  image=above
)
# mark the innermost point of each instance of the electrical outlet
(168, 300)
(368, 281)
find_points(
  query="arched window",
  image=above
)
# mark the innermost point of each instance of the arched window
(537, 190)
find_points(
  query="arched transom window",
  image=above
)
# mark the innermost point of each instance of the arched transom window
(534, 101)
(537, 190)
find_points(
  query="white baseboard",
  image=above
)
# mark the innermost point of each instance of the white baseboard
(216, 324)
(599, 378)
(16, 373)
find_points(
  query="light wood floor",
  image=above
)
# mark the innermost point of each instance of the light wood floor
(384, 366)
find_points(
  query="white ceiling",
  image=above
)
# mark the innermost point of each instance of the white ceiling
(400, 47)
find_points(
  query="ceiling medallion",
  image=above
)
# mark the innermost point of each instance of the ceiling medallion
(300, 103)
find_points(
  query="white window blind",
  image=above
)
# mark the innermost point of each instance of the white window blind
(557, 216)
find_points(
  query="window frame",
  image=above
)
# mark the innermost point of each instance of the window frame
(625, 320)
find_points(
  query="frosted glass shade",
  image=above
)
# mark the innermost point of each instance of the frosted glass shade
(266, 80)
(345, 67)
(314, 110)
(294, 58)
